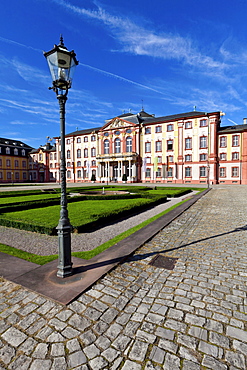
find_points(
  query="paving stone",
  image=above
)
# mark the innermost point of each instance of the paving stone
(130, 365)
(20, 363)
(236, 359)
(57, 349)
(41, 364)
(157, 355)
(172, 362)
(138, 351)
(236, 333)
(59, 363)
(213, 363)
(98, 363)
(14, 337)
(88, 337)
(76, 359)
(40, 351)
(110, 354)
(6, 354)
(91, 351)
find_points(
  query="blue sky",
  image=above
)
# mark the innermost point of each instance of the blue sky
(167, 56)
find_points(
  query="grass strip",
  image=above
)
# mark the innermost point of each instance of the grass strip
(42, 260)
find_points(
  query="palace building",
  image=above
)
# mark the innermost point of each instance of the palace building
(187, 148)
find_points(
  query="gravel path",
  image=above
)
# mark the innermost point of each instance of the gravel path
(44, 245)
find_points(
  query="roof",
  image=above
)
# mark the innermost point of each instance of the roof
(84, 132)
(14, 143)
(232, 129)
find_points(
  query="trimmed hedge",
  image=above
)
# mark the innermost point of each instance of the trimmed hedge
(101, 219)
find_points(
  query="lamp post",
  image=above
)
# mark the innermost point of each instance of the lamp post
(62, 63)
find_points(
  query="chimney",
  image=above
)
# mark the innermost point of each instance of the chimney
(244, 121)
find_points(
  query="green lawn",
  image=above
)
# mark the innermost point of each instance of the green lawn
(41, 260)
(26, 198)
(80, 213)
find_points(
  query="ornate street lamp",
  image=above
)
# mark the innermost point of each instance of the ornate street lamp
(62, 64)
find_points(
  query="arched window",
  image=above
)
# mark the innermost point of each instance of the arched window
(85, 153)
(117, 146)
(78, 153)
(68, 154)
(106, 146)
(79, 164)
(129, 144)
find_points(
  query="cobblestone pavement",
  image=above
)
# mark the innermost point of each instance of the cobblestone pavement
(140, 317)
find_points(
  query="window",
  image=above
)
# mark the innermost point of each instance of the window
(203, 142)
(1, 175)
(17, 175)
(187, 171)
(222, 156)
(147, 130)
(128, 144)
(148, 147)
(24, 175)
(188, 124)
(23, 152)
(68, 141)
(203, 123)
(170, 158)
(148, 172)
(16, 163)
(55, 156)
(51, 156)
(78, 140)
(15, 151)
(223, 142)
(170, 127)
(86, 153)
(222, 172)
(1, 163)
(9, 175)
(7, 150)
(94, 163)
(68, 154)
(235, 156)
(158, 146)
(203, 157)
(235, 140)
(24, 164)
(85, 139)
(93, 138)
(8, 162)
(158, 129)
(170, 172)
(117, 146)
(169, 144)
(159, 159)
(106, 146)
(78, 153)
(78, 164)
(148, 159)
(235, 171)
(69, 174)
(40, 157)
(93, 152)
(158, 172)
(188, 143)
(188, 158)
(79, 174)
(203, 171)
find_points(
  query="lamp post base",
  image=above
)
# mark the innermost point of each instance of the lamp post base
(64, 244)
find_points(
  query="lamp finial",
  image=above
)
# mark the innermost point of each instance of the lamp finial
(61, 40)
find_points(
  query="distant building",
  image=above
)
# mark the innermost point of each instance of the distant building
(14, 160)
(187, 148)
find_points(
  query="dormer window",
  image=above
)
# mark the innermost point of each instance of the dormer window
(7, 150)
(15, 151)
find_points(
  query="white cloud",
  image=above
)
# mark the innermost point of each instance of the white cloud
(137, 40)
